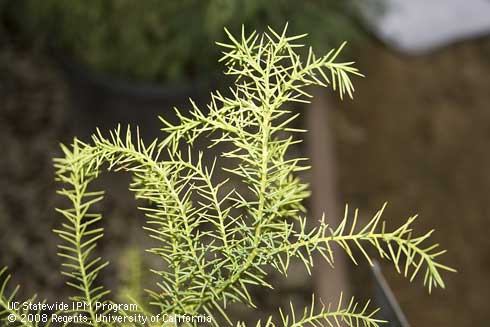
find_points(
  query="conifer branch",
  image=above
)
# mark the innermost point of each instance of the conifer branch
(350, 315)
(14, 316)
(216, 238)
(78, 232)
(409, 254)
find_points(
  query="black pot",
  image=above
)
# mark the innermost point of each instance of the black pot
(102, 101)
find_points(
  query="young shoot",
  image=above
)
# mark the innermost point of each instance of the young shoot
(219, 234)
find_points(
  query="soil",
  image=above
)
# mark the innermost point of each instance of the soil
(33, 100)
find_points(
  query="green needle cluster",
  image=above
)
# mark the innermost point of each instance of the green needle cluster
(218, 237)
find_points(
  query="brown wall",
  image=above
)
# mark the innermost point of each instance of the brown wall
(418, 136)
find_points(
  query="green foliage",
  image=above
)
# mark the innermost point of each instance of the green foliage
(6, 299)
(157, 40)
(216, 238)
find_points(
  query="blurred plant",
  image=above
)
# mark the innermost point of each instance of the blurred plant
(132, 275)
(157, 40)
(215, 240)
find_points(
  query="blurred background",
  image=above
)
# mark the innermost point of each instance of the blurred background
(416, 135)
